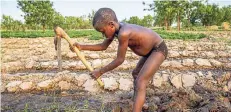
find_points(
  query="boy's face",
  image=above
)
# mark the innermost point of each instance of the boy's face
(107, 30)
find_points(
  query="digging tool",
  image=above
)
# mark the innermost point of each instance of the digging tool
(60, 33)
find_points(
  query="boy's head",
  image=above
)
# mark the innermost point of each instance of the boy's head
(105, 21)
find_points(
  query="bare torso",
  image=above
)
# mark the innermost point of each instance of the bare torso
(141, 39)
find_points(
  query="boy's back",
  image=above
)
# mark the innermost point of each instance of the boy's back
(140, 39)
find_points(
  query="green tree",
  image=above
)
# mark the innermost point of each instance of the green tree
(134, 20)
(7, 22)
(37, 12)
(164, 12)
(147, 21)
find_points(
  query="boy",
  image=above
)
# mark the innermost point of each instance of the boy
(142, 41)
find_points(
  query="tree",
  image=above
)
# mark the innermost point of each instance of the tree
(134, 20)
(37, 12)
(147, 21)
(7, 22)
(163, 11)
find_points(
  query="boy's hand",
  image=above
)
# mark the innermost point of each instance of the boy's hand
(96, 74)
(75, 45)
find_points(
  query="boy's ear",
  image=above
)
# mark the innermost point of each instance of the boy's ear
(111, 24)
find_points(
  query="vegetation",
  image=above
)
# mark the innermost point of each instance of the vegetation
(189, 13)
(93, 35)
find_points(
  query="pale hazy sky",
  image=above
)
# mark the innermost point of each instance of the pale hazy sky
(122, 8)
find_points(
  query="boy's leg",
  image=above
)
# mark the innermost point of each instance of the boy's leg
(150, 67)
(136, 71)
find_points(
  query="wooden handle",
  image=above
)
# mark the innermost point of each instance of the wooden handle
(60, 33)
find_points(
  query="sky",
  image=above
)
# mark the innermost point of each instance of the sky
(123, 8)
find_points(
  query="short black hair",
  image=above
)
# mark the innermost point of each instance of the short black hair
(103, 16)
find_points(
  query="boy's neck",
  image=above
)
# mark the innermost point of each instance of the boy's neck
(119, 25)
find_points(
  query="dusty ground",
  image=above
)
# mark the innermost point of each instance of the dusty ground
(22, 57)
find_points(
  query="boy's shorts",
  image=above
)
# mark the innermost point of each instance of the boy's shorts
(161, 47)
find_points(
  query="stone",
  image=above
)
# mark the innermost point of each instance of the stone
(91, 85)
(176, 64)
(82, 78)
(188, 62)
(94, 56)
(125, 84)
(165, 64)
(215, 63)
(203, 62)
(29, 63)
(174, 54)
(13, 86)
(165, 77)
(110, 83)
(45, 84)
(157, 80)
(177, 81)
(190, 48)
(71, 55)
(188, 80)
(26, 85)
(45, 64)
(229, 85)
(3, 87)
(210, 54)
(200, 74)
(64, 85)
(106, 61)
(209, 75)
(97, 63)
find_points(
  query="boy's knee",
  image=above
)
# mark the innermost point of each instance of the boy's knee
(140, 84)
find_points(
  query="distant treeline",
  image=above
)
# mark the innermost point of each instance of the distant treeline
(40, 15)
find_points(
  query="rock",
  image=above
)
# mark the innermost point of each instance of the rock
(177, 81)
(225, 88)
(94, 56)
(203, 62)
(91, 85)
(26, 85)
(45, 64)
(64, 85)
(30, 63)
(229, 85)
(110, 83)
(188, 62)
(174, 54)
(176, 64)
(188, 80)
(45, 84)
(125, 84)
(209, 75)
(165, 64)
(222, 54)
(215, 63)
(3, 87)
(71, 55)
(165, 77)
(72, 64)
(106, 61)
(157, 80)
(82, 78)
(96, 63)
(190, 48)
(13, 86)
(210, 54)
(200, 74)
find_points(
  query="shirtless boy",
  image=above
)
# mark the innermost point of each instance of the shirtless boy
(142, 41)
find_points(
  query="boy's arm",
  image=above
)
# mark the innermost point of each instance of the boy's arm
(97, 47)
(122, 48)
